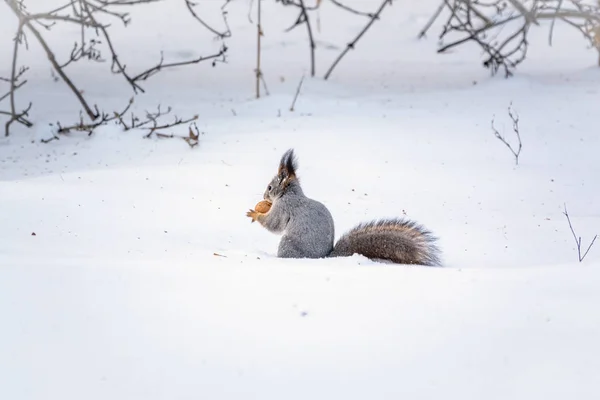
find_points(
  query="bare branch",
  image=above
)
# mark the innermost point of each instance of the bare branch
(528, 15)
(297, 93)
(353, 11)
(16, 74)
(303, 18)
(221, 35)
(82, 126)
(161, 66)
(51, 57)
(150, 123)
(125, 2)
(293, 3)
(432, 19)
(352, 44)
(551, 33)
(472, 21)
(310, 38)
(85, 13)
(259, 34)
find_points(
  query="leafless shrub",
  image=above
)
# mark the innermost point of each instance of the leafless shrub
(515, 125)
(500, 27)
(94, 39)
(150, 123)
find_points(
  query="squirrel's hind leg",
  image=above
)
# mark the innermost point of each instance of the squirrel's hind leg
(289, 248)
(294, 247)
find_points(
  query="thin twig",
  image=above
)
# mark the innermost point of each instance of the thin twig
(352, 10)
(250, 11)
(120, 68)
(264, 84)
(221, 35)
(82, 126)
(297, 93)
(432, 20)
(530, 17)
(85, 14)
(476, 33)
(161, 66)
(310, 38)
(351, 45)
(469, 17)
(150, 123)
(52, 58)
(258, 36)
(551, 33)
(13, 83)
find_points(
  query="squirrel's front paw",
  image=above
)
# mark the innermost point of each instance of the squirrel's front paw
(253, 215)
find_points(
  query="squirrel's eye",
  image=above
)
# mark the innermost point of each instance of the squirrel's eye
(269, 188)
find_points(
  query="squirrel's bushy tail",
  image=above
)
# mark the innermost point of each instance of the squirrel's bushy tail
(397, 240)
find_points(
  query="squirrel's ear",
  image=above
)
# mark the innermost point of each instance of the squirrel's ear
(288, 165)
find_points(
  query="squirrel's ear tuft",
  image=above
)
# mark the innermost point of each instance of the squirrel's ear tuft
(288, 165)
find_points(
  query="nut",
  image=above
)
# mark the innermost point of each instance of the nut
(263, 207)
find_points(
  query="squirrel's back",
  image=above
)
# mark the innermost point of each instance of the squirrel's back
(310, 230)
(398, 240)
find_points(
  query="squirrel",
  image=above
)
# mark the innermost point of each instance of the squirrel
(308, 228)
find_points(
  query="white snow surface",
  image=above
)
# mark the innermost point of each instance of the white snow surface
(128, 269)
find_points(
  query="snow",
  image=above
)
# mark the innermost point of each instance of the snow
(240, 328)
(144, 279)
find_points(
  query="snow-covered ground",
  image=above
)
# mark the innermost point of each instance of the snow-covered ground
(128, 269)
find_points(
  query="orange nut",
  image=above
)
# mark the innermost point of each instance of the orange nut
(263, 206)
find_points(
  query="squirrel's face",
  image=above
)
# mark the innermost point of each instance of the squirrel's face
(274, 189)
(286, 174)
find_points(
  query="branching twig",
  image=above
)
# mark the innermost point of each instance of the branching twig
(311, 41)
(515, 120)
(221, 35)
(89, 128)
(578, 238)
(351, 45)
(481, 21)
(155, 126)
(352, 10)
(304, 19)
(14, 85)
(432, 19)
(51, 57)
(150, 124)
(85, 13)
(116, 66)
(219, 56)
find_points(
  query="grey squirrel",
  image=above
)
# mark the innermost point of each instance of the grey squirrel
(308, 229)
